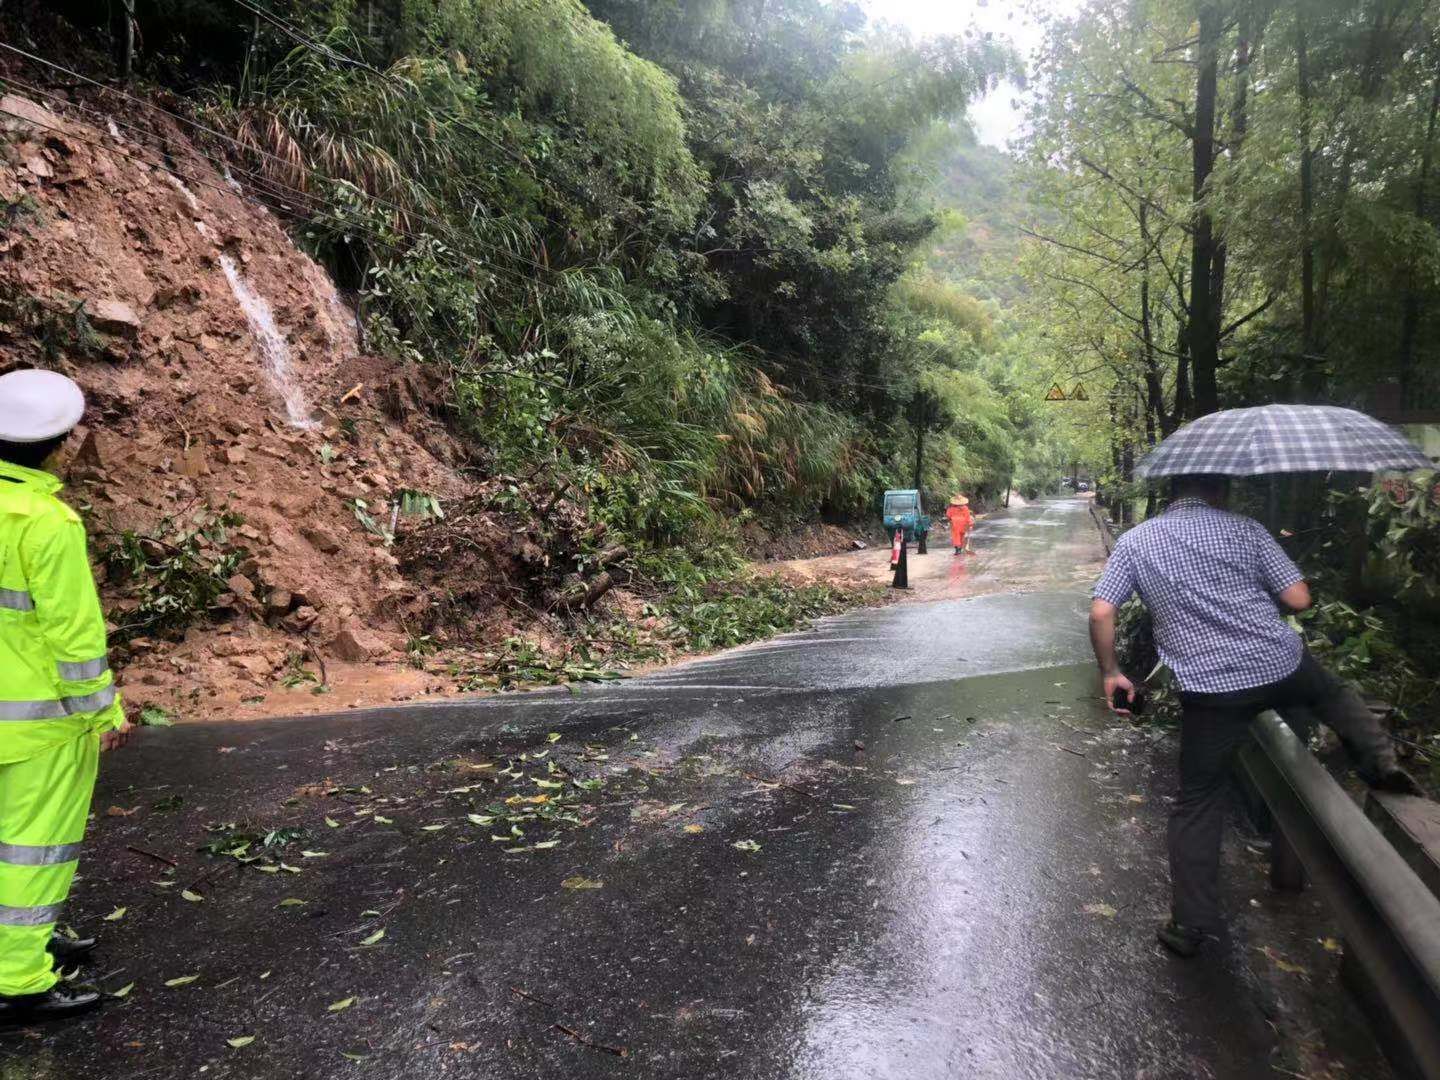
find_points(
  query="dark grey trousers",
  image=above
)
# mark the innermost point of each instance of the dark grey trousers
(1213, 728)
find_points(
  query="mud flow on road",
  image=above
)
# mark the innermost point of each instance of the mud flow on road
(907, 843)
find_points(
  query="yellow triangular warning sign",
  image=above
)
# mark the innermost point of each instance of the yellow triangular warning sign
(1055, 394)
(1079, 393)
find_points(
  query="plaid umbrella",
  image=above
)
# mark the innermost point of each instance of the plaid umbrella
(1282, 439)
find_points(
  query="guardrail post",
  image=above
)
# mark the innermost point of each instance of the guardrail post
(1107, 534)
(1287, 872)
(1388, 918)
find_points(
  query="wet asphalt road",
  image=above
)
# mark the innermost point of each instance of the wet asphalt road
(972, 894)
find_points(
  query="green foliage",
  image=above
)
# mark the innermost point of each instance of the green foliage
(521, 663)
(667, 266)
(1384, 633)
(170, 577)
(251, 844)
(155, 716)
(719, 614)
(57, 325)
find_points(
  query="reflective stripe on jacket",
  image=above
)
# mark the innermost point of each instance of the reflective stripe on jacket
(55, 679)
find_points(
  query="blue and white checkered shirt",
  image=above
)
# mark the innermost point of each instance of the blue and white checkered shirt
(1209, 578)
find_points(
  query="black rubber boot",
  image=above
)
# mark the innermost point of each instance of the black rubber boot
(70, 950)
(58, 1003)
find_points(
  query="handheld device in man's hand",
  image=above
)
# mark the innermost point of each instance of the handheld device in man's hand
(1135, 704)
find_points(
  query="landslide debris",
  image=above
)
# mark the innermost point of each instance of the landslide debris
(272, 510)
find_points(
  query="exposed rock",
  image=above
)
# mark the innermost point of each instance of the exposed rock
(242, 587)
(193, 462)
(299, 620)
(252, 665)
(355, 643)
(321, 537)
(113, 317)
(15, 110)
(235, 455)
(170, 294)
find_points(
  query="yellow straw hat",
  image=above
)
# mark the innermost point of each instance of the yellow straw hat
(959, 500)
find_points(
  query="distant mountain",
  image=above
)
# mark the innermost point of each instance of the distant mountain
(986, 186)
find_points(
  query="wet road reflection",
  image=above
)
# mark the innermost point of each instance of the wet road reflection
(905, 844)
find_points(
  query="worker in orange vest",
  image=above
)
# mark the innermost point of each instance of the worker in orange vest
(960, 521)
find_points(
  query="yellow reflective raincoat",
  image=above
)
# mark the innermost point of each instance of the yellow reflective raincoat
(56, 695)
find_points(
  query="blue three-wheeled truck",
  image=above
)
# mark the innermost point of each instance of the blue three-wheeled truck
(904, 510)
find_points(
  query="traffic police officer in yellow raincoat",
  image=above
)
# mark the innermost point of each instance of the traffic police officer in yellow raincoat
(58, 703)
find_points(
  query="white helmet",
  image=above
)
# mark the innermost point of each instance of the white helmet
(38, 405)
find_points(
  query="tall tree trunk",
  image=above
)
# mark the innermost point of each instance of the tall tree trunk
(1372, 81)
(1239, 128)
(1204, 314)
(127, 39)
(1154, 385)
(1127, 462)
(1410, 320)
(1308, 345)
(1184, 408)
(1107, 497)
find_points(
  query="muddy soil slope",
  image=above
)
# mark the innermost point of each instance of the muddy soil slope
(230, 397)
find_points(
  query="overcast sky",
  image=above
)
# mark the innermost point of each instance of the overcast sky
(997, 117)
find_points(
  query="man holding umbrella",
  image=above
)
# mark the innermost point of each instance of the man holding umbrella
(1218, 587)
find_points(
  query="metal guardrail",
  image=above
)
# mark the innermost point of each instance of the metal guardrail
(1107, 532)
(1389, 918)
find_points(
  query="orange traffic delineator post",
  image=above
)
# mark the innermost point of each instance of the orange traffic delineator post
(899, 562)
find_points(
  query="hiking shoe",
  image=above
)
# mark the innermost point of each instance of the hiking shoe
(1181, 940)
(58, 1003)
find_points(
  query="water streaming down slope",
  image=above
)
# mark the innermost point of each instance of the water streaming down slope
(272, 347)
(274, 350)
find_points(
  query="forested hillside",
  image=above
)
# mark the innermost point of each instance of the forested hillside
(1237, 205)
(987, 192)
(655, 270)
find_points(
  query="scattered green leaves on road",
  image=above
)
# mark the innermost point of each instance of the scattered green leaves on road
(750, 846)
(155, 716)
(116, 915)
(1280, 962)
(580, 881)
(239, 1041)
(183, 980)
(374, 938)
(193, 897)
(341, 1005)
